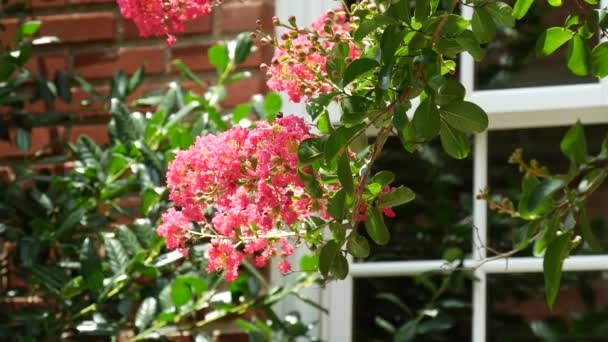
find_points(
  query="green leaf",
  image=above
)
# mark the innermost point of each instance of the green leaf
(599, 60)
(70, 221)
(243, 47)
(574, 144)
(369, 25)
(313, 187)
(396, 197)
(196, 283)
(336, 204)
(357, 245)
(126, 128)
(375, 227)
(540, 194)
(318, 104)
(218, 56)
(483, 26)
(128, 239)
(117, 256)
(521, 8)
(146, 313)
(502, 13)
(465, 116)
(339, 268)
(327, 256)
(400, 10)
(467, 40)
(422, 10)
(29, 28)
(181, 293)
(555, 3)
(452, 254)
(600, 17)
(426, 119)
(309, 263)
(187, 73)
(557, 251)
(90, 265)
(272, 104)
(578, 56)
(310, 150)
(357, 68)
(240, 112)
(23, 139)
(149, 198)
(354, 109)
(345, 174)
(338, 139)
(62, 82)
(454, 143)
(551, 39)
(450, 91)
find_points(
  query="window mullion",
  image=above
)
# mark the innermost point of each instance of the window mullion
(479, 238)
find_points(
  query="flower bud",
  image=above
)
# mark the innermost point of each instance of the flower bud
(292, 20)
(275, 21)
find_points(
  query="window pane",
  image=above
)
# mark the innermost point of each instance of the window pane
(384, 304)
(542, 144)
(517, 310)
(511, 61)
(440, 216)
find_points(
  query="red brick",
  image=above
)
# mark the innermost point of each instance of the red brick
(10, 26)
(79, 95)
(103, 64)
(40, 138)
(239, 17)
(200, 25)
(262, 55)
(79, 27)
(195, 57)
(36, 4)
(242, 91)
(87, 2)
(48, 65)
(99, 133)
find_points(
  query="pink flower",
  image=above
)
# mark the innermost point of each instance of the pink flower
(250, 180)
(174, 227)
(299, 68)
(163, 17)
(285, 267)
(223, 257)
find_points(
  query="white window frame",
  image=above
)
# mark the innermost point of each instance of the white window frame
(530, 107)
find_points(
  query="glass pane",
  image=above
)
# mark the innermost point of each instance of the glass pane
(542, 144)
(517, 310)
(384, 306)
(440, 216)
(511, 61)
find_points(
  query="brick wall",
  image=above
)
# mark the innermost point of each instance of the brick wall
(96, 42)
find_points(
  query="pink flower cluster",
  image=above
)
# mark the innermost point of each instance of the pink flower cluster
(299, 68)
(163, 17)
(242, 187)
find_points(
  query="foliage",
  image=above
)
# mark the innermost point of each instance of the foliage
(83, 242)
(407, 53)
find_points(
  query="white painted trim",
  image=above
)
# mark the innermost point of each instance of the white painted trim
(577, 263)
(480, 236)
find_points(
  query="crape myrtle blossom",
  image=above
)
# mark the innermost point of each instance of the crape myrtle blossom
(299, 64)
(164, 17)
(249, 178)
